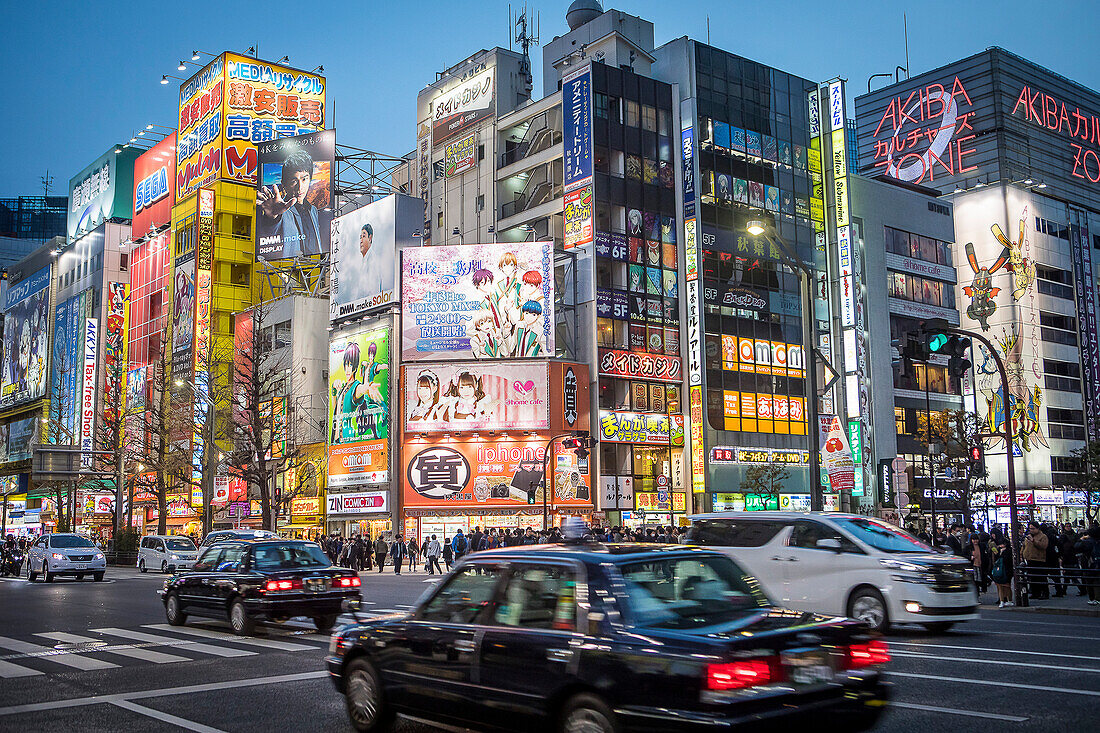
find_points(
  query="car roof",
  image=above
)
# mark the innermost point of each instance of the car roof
(595, 552)
(785, 516)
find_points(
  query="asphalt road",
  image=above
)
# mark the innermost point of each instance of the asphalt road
(78, 656)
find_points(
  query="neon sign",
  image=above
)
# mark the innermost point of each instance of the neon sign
(1040, 108)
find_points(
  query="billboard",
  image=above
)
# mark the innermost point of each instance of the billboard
(479, 301)
(636, 365)
(136, 389)
(465, 105)
(578, 206)
(294, 195)
(26, 339)
(460, 156)
(232, 105)
(640, 427)
(761, 356)
(87, 390)
(359, 409)
(68, 354)
(21, 435)
(488, 473)
(154, 186)
(576, 97)
(114, 351)
(183, 315)
(102, 191)
(508, 396)
(364, 247)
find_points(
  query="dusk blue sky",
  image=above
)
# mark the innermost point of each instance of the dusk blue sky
(84, 75)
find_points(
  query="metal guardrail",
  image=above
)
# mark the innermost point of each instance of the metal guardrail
(1033, 577)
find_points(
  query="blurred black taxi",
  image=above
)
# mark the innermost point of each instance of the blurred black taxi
(606, 638)
(249, 580)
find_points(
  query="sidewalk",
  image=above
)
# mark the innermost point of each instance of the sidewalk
(1071, 605)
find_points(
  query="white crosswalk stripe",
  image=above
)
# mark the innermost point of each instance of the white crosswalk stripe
(9, 670)
(76, 661)
(216, 651)
(222, 636)
(145, 655)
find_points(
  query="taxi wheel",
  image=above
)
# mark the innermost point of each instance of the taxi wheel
(325, 623)
(141, 565)
(363, 697)
(587, 713)
(242, 624)
(172, 611)
(164, 567)
(80, 576)
(867, 605)
(31, 575)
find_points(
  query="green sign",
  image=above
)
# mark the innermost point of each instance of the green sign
(761, 502)
(855, 441)
(857, 489)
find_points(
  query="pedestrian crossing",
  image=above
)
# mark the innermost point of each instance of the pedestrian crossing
(48, 653)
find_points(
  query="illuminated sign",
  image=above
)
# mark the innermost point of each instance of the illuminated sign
(641, 427)
(578, 206)
(368, 502)
(763, 413)
(154, 179)
(629, 364)
(1081, 128)
(660, 501)
(729, 454)
(508, 396)
(577, 112)
(760, 356)
(460, 156)
(87, 393)
(463, 107)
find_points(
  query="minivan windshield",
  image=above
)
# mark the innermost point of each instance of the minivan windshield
(180, 543)
(69, 540)
(882, 536)
(688, 592)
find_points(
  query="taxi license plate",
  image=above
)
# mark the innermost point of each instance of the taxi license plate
(316, 584)
(808, 667)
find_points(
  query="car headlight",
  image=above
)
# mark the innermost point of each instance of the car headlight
(174, 557)
(99, 556)
(927, 578)
(59, 556)
(908, 567)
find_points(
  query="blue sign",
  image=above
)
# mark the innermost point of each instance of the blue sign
(577, 107)
(687, 143)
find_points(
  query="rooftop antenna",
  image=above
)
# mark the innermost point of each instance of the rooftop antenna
(47, 181)
(525, 38)
(905, 30)
(708, 30)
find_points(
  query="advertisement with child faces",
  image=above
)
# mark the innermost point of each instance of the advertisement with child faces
(359, 409)
(477, 301)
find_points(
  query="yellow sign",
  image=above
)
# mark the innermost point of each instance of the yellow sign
(309, 506)
(760, 356)
(649, 501)
(763, 413)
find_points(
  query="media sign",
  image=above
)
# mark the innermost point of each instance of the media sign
(459, 109)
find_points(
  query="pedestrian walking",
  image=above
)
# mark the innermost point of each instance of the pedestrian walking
(355, 553)
(398, 552)
(432, 551)
(448, 554)
(1090, 551)
(380, 550)
(460, 544)
(979, 557)
(411, 547)
(1002, 570)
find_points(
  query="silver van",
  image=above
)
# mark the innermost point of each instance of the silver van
(166, 553)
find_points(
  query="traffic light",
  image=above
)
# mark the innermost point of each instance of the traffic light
(977, 461)
(958, 365)
(935, 342)
(579, 445)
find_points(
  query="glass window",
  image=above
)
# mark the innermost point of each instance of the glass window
(662, 122)
(208, 560)
(605, 332)
(897, 285)
(806, 535)
(290, 556)
(684, 593)
(69, 541)
(632, 117)
(464, 596)
(914, 246)
(883, 536)
(180, 543)
(649, 118)
(231, 558)
(733, 532)
(539, 597)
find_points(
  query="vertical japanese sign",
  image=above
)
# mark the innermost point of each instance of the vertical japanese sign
(1086, 317)
(577, 157)
(198, 137)
(204, 254)
(87, 391)
(423, 172)
(694, 354)
(359, 409)
(114, 351)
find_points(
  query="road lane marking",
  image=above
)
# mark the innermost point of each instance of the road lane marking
(1045, 636)
(222, 636)
(999, 662)
(1089, 657)
(988, 683)
(76, 661)
(169, 641)
(7, 670)
(165, 717)
(76, 702)
(145, 655)
(955, 711)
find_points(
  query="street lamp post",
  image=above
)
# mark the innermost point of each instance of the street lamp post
(757, 227)
(208, 463)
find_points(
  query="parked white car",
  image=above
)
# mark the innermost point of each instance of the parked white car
(166, 553)
(63, 553)
(844, 564)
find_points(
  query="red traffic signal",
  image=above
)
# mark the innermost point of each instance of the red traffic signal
(976, 453)
(577, 445)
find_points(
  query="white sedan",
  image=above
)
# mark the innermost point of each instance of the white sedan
(64, 554)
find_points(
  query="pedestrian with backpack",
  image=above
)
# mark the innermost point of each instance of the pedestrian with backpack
(460, 545)
(1002, 571)
(448, 554)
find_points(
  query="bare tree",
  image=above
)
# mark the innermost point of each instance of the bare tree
(765, 479)
(264, 449)
(952, 434)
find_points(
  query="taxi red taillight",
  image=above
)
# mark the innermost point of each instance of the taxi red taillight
(868, 654)
(274, 586)
(742, 673)
(352, 582)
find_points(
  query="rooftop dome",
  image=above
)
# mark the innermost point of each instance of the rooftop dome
(582, 11)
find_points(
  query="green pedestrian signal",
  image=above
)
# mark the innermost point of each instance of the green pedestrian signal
(936, 342)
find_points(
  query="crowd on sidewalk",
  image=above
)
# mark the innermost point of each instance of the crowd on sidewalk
(1052, 556)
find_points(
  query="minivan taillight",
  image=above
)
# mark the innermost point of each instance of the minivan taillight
(741, 674)
(867, 655)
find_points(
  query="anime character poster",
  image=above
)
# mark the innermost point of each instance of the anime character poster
(509, 396)
(477, 301)
(26, 339)
(359, 409)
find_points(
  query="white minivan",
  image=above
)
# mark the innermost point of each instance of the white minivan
(846, 565)
(166, 553)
